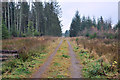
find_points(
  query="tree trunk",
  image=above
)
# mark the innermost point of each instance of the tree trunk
(20, 19)
(8, 19)
(36, 21)
(5, 16)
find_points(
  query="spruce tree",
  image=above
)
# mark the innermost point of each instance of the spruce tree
(75, 25)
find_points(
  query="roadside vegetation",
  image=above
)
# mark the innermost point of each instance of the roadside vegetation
(60, 65)
(36, 53)
(97, 59)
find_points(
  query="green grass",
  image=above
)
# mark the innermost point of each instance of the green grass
(65, 56)
(62, 51)
(92, 68)
(76, 48)
(60, 76)
(15, 68)
(36, 53)
(19, 67)
(59, 67)
(56, 64)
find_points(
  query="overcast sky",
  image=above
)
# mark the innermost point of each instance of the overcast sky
(108, 9)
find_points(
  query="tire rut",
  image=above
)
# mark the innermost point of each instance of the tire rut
(75, 66)
(43, 68)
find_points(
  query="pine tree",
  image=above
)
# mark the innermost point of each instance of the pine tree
(5, 33)
(94, 22)
(83, 23)
(30, 30)
(24, 17)
(40, 19)
(52, 23)
(75, 25)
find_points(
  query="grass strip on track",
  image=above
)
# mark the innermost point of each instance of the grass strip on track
(60, 64)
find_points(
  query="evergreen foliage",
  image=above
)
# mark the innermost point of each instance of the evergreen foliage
(88, 27)
(5, 33)
(22, 19)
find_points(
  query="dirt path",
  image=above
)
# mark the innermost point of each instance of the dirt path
(43, 68)
(60, 64)
(75, 66)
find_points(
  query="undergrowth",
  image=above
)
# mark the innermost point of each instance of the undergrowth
(95, 68)
(33, 57)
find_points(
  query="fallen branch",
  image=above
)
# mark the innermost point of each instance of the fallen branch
(8, 51)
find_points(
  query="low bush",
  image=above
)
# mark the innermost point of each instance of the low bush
(10, 65)
(110, 35)
(77, 41)
(87, 34)
(65, 56)
(76, 48)
(5, 33)
(36, 33)
(23, 35)
(93, 36)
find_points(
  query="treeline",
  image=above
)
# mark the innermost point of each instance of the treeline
(88, 27)
(22, 19)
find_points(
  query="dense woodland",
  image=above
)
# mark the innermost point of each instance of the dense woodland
(88, 27)
(22, 19)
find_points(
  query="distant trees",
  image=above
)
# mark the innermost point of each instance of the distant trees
(88, 27)
(67, 33)
(117, 27)
(21, 19)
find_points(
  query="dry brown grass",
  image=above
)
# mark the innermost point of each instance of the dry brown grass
(29, 42)
(101, 47)
(38, 50)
